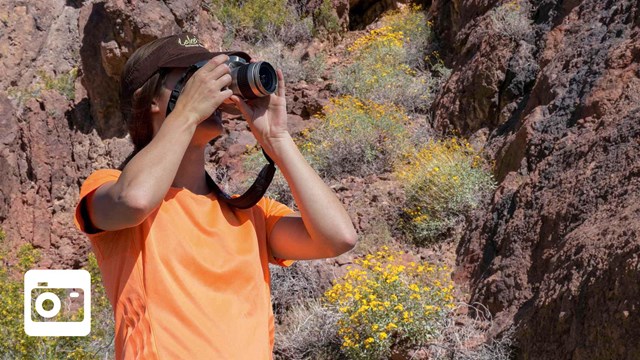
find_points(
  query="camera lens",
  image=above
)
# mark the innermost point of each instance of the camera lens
(267, 77)
(254, 80)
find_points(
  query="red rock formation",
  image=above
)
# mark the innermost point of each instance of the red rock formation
(554, 90)
(556, 250)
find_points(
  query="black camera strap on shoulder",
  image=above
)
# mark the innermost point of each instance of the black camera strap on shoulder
(262, 182)
(254, 193)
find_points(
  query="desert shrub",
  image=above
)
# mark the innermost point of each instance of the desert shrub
(293, 68)
(314, 67)
(442, 181)
(386, 63)
(369, 240)
(299, 282)
(308, 331)
(326, 22)
(63, 83)
(468, 338)
(356, 138)
(16, 344)
(258, 20)
(412, 23)
(387, 303)
(277, 54)
(512, 19)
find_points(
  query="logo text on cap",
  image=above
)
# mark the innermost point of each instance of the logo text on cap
(189, 41)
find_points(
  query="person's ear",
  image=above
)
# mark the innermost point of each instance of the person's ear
(155, 105)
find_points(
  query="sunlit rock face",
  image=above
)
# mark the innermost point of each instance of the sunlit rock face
(555, 252)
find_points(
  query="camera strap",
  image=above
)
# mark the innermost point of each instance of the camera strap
(262, 182)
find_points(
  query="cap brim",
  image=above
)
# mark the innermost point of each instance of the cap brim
(187, 60)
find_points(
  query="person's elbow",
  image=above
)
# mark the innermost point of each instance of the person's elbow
(137, 206)
(345, 242)
(132, 208)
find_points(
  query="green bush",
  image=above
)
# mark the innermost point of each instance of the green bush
(412, 23)
(356, 138)
(258, 20)
(62, 83)
(442, 181)
(325, 20)
(315, 67)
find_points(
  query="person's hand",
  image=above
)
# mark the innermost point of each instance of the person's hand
(267, 116)
(203, 93)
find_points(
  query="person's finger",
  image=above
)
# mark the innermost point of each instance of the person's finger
(281, 85)
(224, 80)
(226, 94)
(219, 71)
(215, 62)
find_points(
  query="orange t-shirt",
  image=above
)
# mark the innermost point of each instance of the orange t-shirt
(191, 281)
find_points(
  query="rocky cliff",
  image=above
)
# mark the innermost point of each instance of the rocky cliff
(554, 88)
(551, 88)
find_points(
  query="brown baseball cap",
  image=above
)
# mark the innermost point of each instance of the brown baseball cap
(172, 51)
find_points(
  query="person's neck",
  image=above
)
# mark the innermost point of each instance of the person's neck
(191, 172)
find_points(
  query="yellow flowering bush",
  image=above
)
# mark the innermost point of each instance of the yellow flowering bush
(387, 302)
(412, 22)
(378, 38)
(442, 180)
(356, 138)
(386, 66)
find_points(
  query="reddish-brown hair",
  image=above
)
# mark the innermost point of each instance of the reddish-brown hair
(135, 109)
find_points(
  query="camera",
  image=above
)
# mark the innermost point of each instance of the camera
(248, 81)
(251, 80)
(57, 302)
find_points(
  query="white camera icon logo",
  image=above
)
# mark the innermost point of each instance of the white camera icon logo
(47, 285)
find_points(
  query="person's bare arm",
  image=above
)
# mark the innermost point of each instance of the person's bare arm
(323, 227)
(149, 174)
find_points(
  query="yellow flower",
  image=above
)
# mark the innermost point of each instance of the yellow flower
(383, 335)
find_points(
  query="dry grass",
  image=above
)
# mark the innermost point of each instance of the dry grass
(469, 340)
(512, 19)
(299, 282)
(308, 332)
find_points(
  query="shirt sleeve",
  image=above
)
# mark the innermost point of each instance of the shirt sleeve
(275, 211)
(93, 182)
